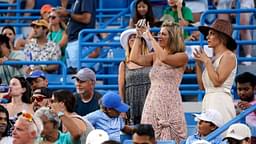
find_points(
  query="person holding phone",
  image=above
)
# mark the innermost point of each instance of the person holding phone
(163, 106)
(180, 13)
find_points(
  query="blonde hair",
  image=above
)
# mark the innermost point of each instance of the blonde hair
(145, 49)
(176, 38)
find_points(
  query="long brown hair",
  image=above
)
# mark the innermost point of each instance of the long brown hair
(176, 41)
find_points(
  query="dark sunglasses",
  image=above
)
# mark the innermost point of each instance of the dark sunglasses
(37, 98)
(52, 17)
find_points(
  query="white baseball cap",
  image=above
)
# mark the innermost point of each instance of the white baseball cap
(201, 142)
(97, 136)
(210, 115)
(238, 131)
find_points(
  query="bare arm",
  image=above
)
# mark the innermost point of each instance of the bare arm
(137, 57)
(178, 59)
(71, 126)
(131, 24)
(64, 39)
(121, 80)
(227, 64)
(199, 72)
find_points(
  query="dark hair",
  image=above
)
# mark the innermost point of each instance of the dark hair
(246, 77)
(4, 110)
(145, 129)
(8, 27)
(67, 97)
(149, 15)
(4, 40)
(26, 96)
(110, 142)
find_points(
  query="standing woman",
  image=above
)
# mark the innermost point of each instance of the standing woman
(133, 79)
(220, 71)
(163, 106)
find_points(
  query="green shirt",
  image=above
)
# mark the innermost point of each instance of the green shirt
(186, 14)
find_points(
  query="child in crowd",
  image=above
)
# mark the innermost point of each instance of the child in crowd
(246, 86)
(108, 117)
(208, 122)
(143, 9)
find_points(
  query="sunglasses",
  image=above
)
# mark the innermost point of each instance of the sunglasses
(52, 17)
(28, 117)
(37, 98)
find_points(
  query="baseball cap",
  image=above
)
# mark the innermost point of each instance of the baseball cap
(44, 91)
(40, 22)
(85, 74)
(238, 131)
(46, 9)
(97, 136)
(210, 115)
(201, 142)
(36, 74)
(113, 100)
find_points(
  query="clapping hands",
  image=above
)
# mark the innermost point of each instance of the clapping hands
(200, 56)
(143, 28)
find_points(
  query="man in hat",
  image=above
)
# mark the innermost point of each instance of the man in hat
(87, 97)
(108, 118)
(238, 134)
(37, 79)
(41, 98)
(39, 48)
(208, 122)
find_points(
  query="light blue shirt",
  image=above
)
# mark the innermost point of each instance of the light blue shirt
(112, 126)
(196, 137)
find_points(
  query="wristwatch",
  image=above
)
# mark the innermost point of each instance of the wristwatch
(60, 114)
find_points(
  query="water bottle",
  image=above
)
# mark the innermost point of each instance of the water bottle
(110, 54)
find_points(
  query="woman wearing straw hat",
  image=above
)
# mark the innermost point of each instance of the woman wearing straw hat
(163, 106)
(133, 79)
(220, 71)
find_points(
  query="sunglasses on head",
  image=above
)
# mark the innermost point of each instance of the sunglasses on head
(27, 116)
(37, 98)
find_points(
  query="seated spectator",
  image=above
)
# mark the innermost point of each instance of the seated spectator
(87, 99)
(67, 101)
(144, 134)
(208, 122)
(51, 119)
(27, 129)
(143, 9)
(45, 11)
(246, 86)
(36, 4)
(39, 48)
(41, 98)
(20, 94)
(97, 136)
(57, 32)
(37, 79)
(180, 13)
(9, 31)
(4, 123)
(108, 117)
(6, 53)
(238, 134)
